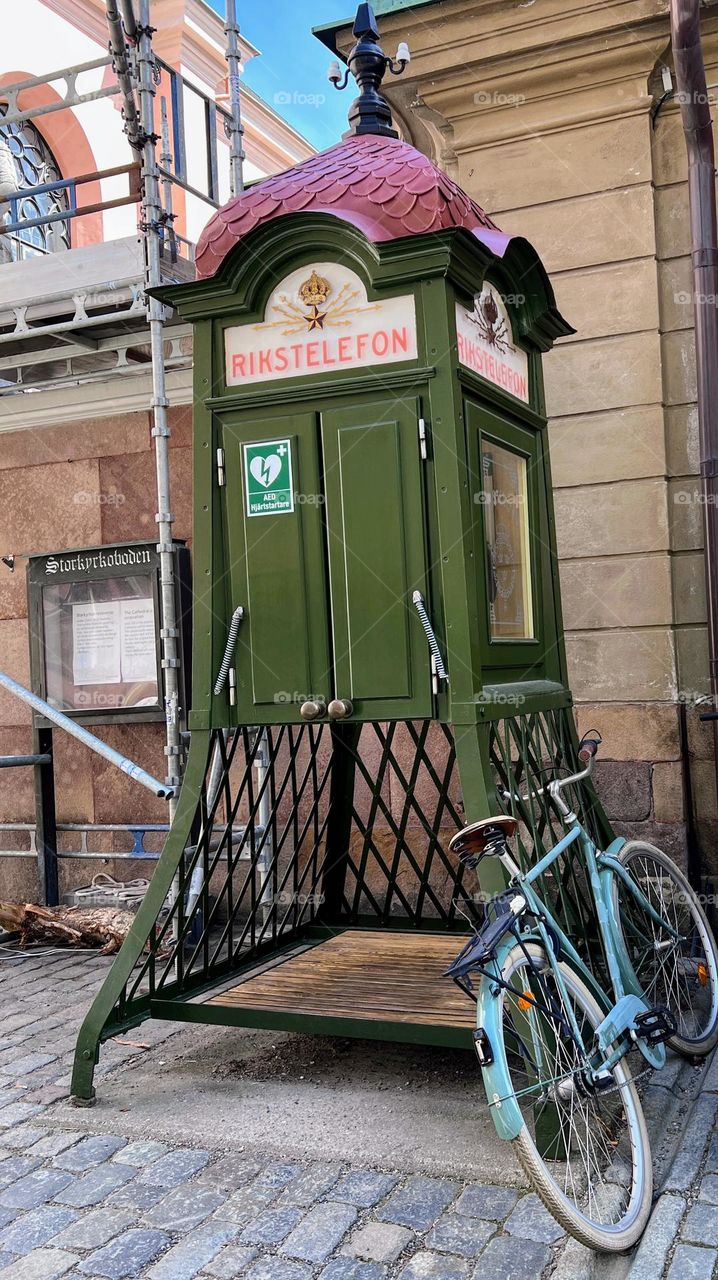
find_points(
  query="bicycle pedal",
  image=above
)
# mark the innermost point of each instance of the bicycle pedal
(656, 1025)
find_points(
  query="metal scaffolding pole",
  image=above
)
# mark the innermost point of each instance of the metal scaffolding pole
(153, 227)
(139, 121)
(233, 126)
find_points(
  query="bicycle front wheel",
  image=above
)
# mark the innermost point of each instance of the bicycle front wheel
(680, 973)
(586, 1151)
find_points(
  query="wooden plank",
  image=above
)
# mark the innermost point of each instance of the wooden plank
(362, 975)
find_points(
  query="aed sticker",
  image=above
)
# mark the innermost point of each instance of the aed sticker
(268, 483)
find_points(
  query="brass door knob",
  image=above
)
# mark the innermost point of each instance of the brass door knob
(340, 709)
(313, 709)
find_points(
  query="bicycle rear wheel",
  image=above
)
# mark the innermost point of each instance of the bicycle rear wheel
(586, 1153)
(682, 975)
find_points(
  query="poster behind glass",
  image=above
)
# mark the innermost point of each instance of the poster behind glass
(101, 644)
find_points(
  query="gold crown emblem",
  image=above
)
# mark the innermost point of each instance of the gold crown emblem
(315, 291)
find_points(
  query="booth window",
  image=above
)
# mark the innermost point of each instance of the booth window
(506, 522)
(24, 147)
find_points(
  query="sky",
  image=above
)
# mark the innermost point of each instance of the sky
(291, 71)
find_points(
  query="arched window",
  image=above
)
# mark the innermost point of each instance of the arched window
(35, 165)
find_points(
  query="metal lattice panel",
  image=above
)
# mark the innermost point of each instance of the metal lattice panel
(405, 808)
(525, 753)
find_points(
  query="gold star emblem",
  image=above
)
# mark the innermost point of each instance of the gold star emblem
(316, 318)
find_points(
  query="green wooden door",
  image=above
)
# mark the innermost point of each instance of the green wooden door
(324, 512)
(377, 557)
(273, 515)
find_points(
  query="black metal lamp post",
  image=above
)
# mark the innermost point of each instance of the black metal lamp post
(367, 62)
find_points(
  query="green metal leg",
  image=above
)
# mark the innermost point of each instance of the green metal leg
(93, 1029)
(472, 758)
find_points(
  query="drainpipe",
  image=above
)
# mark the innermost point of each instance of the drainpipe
(695, 112)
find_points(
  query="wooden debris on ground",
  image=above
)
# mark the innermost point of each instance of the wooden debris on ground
(104, 927)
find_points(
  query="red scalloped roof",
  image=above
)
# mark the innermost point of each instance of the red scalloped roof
(383, 186)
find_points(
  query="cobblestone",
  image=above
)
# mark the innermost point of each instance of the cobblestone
(140, 1154)
(126, 1256)
(187, 1258)
(310, 1184)
(16, 1167)
(350, 1269)
(379, 1241)
(30, 1062)
(463, 1236)
(319, 1232)
(419, 1203)
(88, 1152)
(701, 1225)
(278, 1269)
(532, 1222)
(184, 1208)
(364, 1188)
(35, 1189)
(690, 1263)
(230, 1262)
(34, 1229)
(271, 1227)
(503, 1259)
(174, 1168)
(95, 1229)
(43, 1264)
(434, 1266)
(96, 1185)
(493, 1203)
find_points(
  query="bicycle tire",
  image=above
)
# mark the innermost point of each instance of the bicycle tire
(544, 1174)
(662, 986)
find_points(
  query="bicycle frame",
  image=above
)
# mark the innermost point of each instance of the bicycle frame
(601, 866)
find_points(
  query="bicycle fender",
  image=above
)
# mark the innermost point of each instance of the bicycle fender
(505, 1110)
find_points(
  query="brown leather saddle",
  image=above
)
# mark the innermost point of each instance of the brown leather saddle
(472, 841)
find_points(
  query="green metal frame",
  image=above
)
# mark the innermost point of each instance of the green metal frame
(340, 796)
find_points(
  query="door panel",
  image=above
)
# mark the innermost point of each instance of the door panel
(376, 543)
(278, 565)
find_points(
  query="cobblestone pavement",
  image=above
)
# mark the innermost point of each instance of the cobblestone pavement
(83, 1205)
(109, 1206)
(681, 1241)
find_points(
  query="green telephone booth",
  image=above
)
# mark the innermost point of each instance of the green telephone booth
(378, 653)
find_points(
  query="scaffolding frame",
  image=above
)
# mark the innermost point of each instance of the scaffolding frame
(138, 72)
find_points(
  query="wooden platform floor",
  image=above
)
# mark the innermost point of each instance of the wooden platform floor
(363, 975)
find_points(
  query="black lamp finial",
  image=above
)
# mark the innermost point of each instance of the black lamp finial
(370, 112)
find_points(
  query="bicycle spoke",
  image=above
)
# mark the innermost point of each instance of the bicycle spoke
(680, 973)
(583, 1136)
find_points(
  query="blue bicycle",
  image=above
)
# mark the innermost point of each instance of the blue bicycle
(554, 1045)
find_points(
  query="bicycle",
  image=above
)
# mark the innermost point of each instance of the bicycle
(553, 1044)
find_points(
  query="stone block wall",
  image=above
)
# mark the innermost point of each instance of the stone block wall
(548, 117)
(68, 486)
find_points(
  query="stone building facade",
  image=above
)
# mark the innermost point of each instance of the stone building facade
(558, 117)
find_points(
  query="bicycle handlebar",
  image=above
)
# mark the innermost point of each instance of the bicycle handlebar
(557, 785)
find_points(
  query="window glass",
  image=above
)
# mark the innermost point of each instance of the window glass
(506, 522)
(100, 644)
(35, 166)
